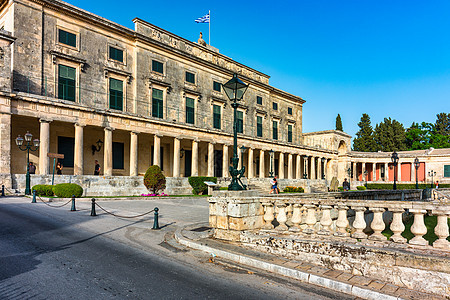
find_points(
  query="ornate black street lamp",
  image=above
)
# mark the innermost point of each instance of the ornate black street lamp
(305, 169)
(29, 146)
(431, 174)
(417, 165)
(349, 173)
(365, 177)
(235, 89)
(323, 167)
(271, 153)
(394, 159)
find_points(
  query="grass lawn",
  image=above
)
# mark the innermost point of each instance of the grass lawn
(430, 223)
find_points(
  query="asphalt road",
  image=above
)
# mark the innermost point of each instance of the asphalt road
(50, 253)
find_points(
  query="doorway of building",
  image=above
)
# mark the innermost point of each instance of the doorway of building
(187, 163)
(218, 159)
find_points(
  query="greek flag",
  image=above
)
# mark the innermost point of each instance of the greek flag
(204, 19)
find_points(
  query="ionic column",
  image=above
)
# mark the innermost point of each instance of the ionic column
(313, 167)
(225, 161)
(290, 167)
(399, 172)
(377, 224)
(413, 172)
(374, 171)
(281, 166)
(441, 230)
(194, 166)
(397, 226)
(386, 172)
(250, 163)
(176, 157)
(78, 153)
(261, 164)
(298, 169)
(156, 150)
(418, 228)
(133, 153)
(210, 159)
(359, 223)
(354, 171)
(107, 152)
(44, 137)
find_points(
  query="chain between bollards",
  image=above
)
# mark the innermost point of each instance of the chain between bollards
(73, 204)
(155, 219)
(93, 213)
(34, 197)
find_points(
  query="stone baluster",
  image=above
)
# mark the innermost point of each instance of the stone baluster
(418, 228)
(342, 221)
(296, 217)
(397, 226)
(377, 224)
(310, 219)
(289, 211)
(281, 217)
(441, 230)
(268, 215)
(359, 223)
(326, 220)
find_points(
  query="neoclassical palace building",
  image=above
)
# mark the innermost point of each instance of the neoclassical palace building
(92, 89)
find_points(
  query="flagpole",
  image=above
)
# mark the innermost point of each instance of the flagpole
(209, 30)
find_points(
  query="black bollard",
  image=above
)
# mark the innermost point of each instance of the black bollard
(3, 190)
(93, 214)
(73, 204)
(34, 197)
(155, 219)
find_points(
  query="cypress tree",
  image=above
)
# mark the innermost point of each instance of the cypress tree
(364, 140)
(389, 136)
(339, 123)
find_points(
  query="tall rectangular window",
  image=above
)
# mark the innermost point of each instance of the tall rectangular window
(259, 126)
(115, 94)
(289, 133)
(116, 54)
(275, 106)
(446, 170)
(216, 86)
(66, 146)
(275, 130)
(240, 122)
(117, 153)
(157, 103)
(67, 38)
(216, 117)
(258, 100)
(290, 111)
(190, 110)
(157, 67)
(66, 82)
(190, 77)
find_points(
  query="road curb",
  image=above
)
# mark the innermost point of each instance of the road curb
(288, 272)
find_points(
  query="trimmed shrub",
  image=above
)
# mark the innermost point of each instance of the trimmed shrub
(198, 184)
(66, 190)
(402, 186)
(223, 188)
(340, 188)
(293, 189)
(361, 188)
(154, 179)
(43, 189)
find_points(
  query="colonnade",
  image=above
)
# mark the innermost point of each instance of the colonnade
(384, 171)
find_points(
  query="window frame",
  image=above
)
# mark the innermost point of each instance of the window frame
(275, 130)
(58, 70)
(157, 63)
(186, 77)
(444, 171)
(275, 105)
(240, 125)
(153, 114)
(290, 133)
(110, 90)
(259, 100)
(290, 111)
(188, 113)
(259, 126)
(69, 32)
(214, 116)
(110, 47)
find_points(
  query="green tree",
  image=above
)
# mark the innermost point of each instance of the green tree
(418, 136)
(364, 137)
(442, 125)
(339, 123)
(389, 136)
(154, 179)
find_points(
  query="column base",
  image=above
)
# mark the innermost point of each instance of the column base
(442, 244)
(398, 239)
(359, 235)
(377, 237)
(418, 240)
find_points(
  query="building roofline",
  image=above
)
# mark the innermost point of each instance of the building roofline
(338, 132)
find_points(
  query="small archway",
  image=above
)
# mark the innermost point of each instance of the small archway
(342, 149)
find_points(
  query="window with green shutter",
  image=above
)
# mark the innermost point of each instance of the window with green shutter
(190, 110)
(115, 94)
(259, 100)
(190, 77)
(240, 122)
(67, 38)
(275, 130)
(216, 117)
(290, 111)
(216, 86)
(275, 106)
(446, 170)
(259, 126)
(117, 154)
(290, 133)
(157, 66)
(116, 54)
(66, 82)
(157, 103)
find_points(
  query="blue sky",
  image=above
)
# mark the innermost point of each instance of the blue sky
(384, 58)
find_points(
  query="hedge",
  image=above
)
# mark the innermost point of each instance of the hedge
(198, 184)
(66, 190)
(43, 189)
(401, 186)
(293, 189)
(361, 188)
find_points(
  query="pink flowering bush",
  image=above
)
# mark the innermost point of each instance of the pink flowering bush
(154, 195)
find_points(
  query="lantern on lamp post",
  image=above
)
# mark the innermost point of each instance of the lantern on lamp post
(29, 146)
(394, 159)
(416, 166)
(271, 154)
(235, 90)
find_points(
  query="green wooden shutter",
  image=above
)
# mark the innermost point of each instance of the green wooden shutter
(115, 94)
(446, 170)
(66, 146)
(259, 126)
(157, 103)
(275, 130)
(190, 110)
(290, 133)
(117, 153)
(216, 116)
(240, 122)
(66, 82)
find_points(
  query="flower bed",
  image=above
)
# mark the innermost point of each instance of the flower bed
(154, 195)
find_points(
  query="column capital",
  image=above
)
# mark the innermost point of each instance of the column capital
(177, 138)
(45, 121)
(197, 140)
(134, 132)
(79, 125)
(158, 135)
(108, 129)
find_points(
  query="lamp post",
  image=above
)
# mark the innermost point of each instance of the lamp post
(365, 177)
(305, 169)
(349, 173)
(417, 165)
(271, 152)
(394, 159)
(323, 167)
(28, 147)
(235, 89)
(432, 174)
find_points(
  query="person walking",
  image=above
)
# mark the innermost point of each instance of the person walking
(346, 185)
(274, 184)
(97, 168)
